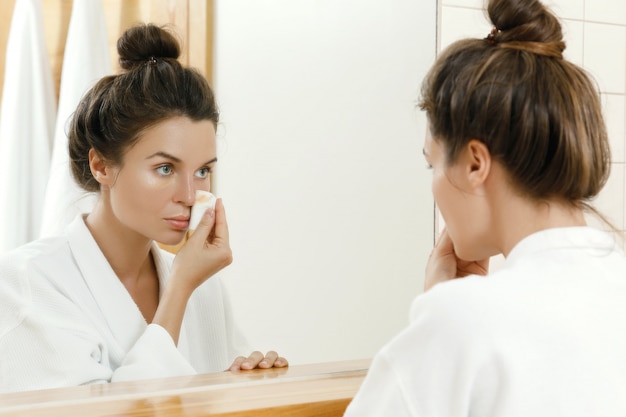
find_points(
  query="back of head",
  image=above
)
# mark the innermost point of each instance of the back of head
(538, 114)
(153, 86)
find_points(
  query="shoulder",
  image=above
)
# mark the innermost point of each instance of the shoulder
(40, 264)
(470, 295)
(24, 272)
(457, 320)
(448, 341)
(459, 311)
(37, 255)
(53, 255)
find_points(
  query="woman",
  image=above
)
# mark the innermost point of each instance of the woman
(518, 149)
(103, 302)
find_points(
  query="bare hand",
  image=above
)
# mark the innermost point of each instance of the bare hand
(443, 263)
(206, 251)
(257, 360)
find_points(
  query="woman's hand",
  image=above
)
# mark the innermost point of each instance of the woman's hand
(257, 360)
(206, 251)
(444, 265)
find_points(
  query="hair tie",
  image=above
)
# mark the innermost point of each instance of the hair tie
(491, 38)
(152, 60)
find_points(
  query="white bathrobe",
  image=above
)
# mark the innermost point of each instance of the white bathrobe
(543, 336)
(66, 319)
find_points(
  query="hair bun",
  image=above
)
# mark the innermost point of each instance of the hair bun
(146, 43)
(526, 21)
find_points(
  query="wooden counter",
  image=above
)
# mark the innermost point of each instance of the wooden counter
(323, 389)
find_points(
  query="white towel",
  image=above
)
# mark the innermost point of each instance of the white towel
(86, 60)
(27, 118)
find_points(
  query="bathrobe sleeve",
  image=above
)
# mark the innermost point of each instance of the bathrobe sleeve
(66, 320)
(53, 335)
(146, 361)
(432, 367)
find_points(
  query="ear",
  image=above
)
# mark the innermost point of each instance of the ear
(100, 169)
(477, 163)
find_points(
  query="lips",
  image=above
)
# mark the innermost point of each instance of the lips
(178, 222)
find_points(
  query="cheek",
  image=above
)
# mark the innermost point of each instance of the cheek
(451, 205)
(149, 180)
(143, 190)
(441, 193)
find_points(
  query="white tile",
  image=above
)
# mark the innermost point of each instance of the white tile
(614, 109)
(475, 4)
(605, 55)
(458, 23)
(606, 11)
(610, 201)
(573, 34)
(567, 9)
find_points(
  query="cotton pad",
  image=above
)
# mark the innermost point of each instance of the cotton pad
(204, 200)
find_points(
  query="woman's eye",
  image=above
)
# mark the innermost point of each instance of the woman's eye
(164, 170)
(203, 172)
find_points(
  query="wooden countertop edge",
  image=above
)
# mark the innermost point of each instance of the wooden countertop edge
(315, 385)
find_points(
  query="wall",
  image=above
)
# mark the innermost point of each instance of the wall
(321, 169)
(595, 33)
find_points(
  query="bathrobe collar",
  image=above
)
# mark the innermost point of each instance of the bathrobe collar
(117, 306)
(582, 238)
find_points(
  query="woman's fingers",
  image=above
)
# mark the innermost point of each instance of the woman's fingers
(221, 225)
(442, 263)
(236, 365)
(252, 361)
(258, 360)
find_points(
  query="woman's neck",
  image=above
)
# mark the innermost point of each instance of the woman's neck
(521, 217)
(515, 216)
(127, 252)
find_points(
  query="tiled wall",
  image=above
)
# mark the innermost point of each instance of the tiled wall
(595, 33)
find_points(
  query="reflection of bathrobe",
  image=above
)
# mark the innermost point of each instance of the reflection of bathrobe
(66, 319)
(543, 336)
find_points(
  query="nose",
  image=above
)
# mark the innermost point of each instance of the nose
(185, 191)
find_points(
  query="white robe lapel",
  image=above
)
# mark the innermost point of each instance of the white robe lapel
(117, 306)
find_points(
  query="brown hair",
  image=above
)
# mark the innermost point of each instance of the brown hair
(153, 86)
(538, 114)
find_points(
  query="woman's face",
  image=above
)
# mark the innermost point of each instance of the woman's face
(155, 186)
(463, 208)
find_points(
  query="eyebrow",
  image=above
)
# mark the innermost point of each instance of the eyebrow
(175, 158)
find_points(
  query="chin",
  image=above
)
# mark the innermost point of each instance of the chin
(172, 239)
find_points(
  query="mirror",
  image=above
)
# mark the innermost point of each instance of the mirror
(321, 169)
(320, 148)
